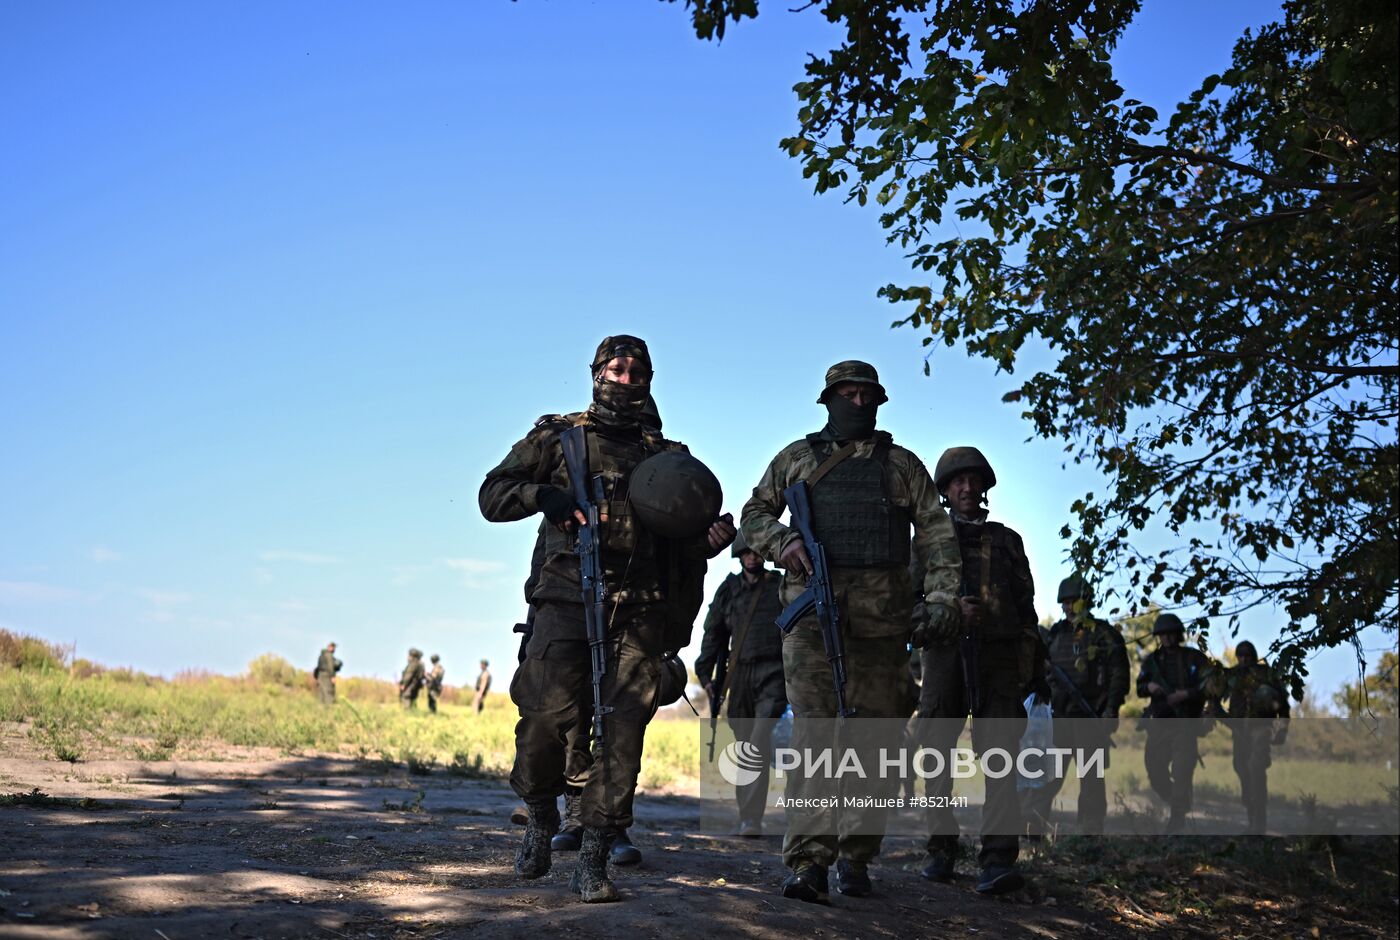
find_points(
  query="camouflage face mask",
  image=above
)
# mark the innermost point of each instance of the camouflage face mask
(625, 402)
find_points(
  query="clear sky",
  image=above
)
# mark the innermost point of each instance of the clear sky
(280, 282)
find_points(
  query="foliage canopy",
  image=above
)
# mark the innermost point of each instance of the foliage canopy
(1217, 289)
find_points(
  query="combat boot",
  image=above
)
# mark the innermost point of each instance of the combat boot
(532, 858)
(807, 883)
(939, 868)
(590, 878)
(623, 852)
(1000, 879)
(852, 878)
(571, 834)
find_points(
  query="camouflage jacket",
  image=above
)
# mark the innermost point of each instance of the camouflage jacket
(1094, 658)
(1180, 669)
(412, 677)
(725, 621)
(1239, 687)
(997, 572)
(633, 566)
(327, 665)
(435, 678)
(875, 601)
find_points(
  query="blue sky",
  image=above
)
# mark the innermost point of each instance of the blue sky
(279, 283)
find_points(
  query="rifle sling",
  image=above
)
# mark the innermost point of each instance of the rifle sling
(744, 628)
(827, 465)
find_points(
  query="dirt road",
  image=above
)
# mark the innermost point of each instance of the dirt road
(323, 847)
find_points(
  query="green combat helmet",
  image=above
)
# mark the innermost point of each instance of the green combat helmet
(415, 653)
(675, 495)
(852, 370)
(740, 545)
(1075, 588)
(1167, 624)
(957, 460)
(673, 680)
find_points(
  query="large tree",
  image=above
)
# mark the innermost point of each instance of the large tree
(1217, 289)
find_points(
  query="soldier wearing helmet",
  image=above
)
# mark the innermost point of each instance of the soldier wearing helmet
(866, 494)
(1173, 676)
(1257, 713)
(1088, 666)
(412, 679)
(650, 579)
(986, 672)
(741, 657)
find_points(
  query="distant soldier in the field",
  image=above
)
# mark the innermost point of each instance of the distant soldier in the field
(326, 668)
(1173, 677)
(412, 680)
(1257, 716)
(483, 685)
(435, 682)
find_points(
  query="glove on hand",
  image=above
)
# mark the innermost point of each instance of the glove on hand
(556, 505)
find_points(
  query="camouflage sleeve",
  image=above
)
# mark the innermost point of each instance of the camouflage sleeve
(1023, 584)
(1118, 669)
(510, 490)
(934, 537)
(759, 520)
(715, 642)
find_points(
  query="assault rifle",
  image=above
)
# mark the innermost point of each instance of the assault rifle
(588, 494)
(819, 594)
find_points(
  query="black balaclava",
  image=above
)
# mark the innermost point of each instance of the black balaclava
(849, 421)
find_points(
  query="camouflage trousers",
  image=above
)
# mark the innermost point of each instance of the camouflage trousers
(1076, 734)
(757, 699)
(998, 722)
(876, 687)
(553, 690)
(325, 690)
(1252, 744)
(1170, 757)
(408, 698)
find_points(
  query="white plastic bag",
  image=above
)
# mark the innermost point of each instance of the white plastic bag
(1038, 738)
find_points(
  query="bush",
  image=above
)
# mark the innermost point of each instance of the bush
(28, 652)
(271, 669)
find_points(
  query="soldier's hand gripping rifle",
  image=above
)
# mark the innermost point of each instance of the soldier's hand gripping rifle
(819, 594)
(588, 493)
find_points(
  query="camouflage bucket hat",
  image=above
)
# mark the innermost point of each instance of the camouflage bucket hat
(852, 370)
(1168, 623)
(621, 345)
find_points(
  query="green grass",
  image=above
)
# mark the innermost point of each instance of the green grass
(127, 715)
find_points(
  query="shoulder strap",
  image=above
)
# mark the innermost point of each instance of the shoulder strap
(827, 465)
(748, 622)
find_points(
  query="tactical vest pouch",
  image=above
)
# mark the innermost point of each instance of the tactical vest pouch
(855, 519)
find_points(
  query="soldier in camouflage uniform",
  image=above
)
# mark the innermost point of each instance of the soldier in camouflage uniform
(865, 491)
(412, 679)
(739, 629)
(1173, 677)
(1257, 715)
(552, 687)
(1092, 663)
(986, 673)
(324, 673)
(434, 684)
